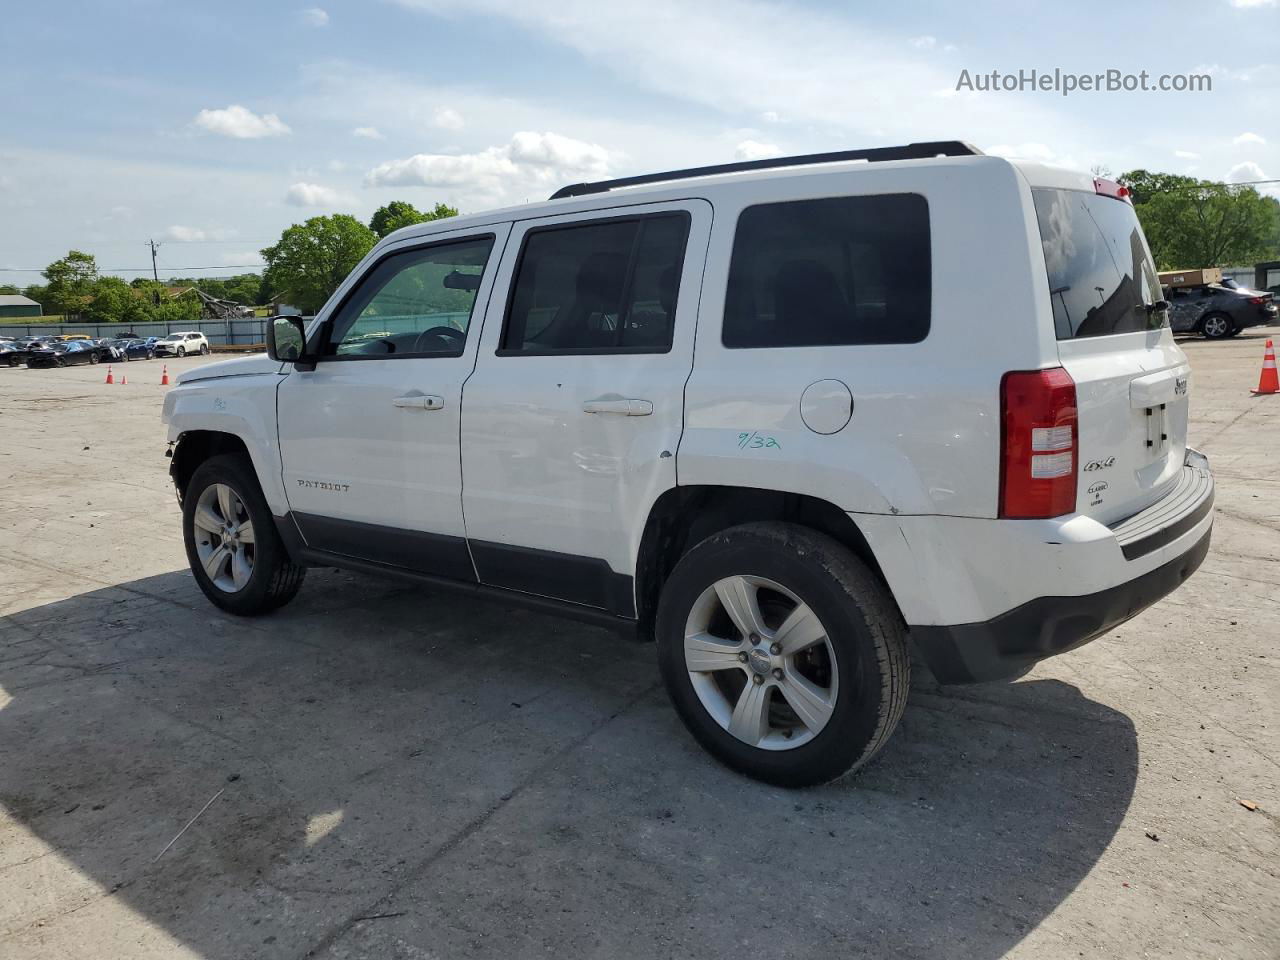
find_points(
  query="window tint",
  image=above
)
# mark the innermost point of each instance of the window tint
(607, 285)
(1100, 275)
(837, 271)
(414, 303)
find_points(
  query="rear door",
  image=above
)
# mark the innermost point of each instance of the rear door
(572, 418)
(1131, 378)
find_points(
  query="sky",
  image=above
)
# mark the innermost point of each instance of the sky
(211, 127)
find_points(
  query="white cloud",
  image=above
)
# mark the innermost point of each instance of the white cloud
(314, 17)
(754, 150)
(770, 116)
(924, 43)
(313, 195)
(1249, 138)
(1243, 172)
(1250, 4)
(840, 77)
(446, 118)
(181, 234)
(1186, 155)
(1036, 152)
(241, 123)
(530, 161)
(368, 133)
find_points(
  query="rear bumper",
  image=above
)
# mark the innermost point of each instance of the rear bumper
(986, 599)
(1010, 643)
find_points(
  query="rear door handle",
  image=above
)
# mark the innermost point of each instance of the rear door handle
(419, 401)
(621, 408)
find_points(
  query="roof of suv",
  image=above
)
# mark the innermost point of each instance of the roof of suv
(683, 184)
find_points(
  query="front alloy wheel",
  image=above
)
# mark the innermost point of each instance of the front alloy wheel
(235, 551)
(224, 538)
(182, 351)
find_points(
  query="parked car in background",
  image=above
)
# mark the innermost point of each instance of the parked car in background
(21, 350)
(181, 344)
(109, 351)
(136, 349)
(1217, 310)
(64, 353)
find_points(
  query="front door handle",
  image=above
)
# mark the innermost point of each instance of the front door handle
(419, 401)
(621, 408)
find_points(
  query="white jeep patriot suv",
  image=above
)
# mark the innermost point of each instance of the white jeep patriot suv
(785, 417)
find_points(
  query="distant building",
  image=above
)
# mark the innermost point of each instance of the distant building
(13, 305)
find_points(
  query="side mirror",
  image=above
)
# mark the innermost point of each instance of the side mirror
(286, 339)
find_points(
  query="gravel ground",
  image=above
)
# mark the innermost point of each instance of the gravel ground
(398, 774)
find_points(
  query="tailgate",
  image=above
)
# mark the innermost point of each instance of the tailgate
(1132, 401)
(1132, 380)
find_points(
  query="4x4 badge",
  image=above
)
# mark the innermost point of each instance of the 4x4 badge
(1093, 465)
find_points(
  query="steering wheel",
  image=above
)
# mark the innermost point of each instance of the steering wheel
(452, 338)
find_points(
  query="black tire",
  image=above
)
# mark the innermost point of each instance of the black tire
(862, 623)
(1216, 326)
(93, 358)
(15, 362)
(182, 351)
(275, 579)
(204, 349)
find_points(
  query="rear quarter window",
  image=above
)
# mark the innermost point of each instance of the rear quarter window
(836, 271)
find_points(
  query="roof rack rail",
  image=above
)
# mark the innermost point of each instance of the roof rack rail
(911, 151)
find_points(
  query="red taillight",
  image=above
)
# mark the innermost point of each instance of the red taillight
(1040, 442)
(1258, 300)
(1109, 188)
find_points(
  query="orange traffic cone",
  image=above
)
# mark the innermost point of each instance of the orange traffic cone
(1268, 382)
(164, 376)
(110, 378)
(124, 379)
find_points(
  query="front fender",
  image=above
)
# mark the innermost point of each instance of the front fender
(244, 407)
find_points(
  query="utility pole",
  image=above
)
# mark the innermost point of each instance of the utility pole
(155, 275)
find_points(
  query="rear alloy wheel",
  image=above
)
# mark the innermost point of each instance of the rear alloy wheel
(233, 548)
(204, 349)
(1216, 326)
(784, 655)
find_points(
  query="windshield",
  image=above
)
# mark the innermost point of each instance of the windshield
(174, 336)
(1101, 277)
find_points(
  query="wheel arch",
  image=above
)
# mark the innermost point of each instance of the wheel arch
(194, 447)
(684, 516)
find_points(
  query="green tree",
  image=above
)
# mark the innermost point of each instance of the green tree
(115, 301)
(71, 282)
(9, 290)
(312, 259)
(40, 294)
(396, 214)
(1192, 224)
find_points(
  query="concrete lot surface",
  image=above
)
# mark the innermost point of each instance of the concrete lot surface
(399, 774)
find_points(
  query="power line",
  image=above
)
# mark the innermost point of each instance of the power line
(146, 269)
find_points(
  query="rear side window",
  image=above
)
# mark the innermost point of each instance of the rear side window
(1101, 277)
(598, 287)
(831, 272)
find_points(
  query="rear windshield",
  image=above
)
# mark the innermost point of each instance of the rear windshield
(1101, 278)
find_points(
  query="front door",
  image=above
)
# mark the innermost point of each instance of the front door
(571, 421)
(369, 439)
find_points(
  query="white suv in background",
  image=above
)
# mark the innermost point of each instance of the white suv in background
(181, 344)
(785, 417)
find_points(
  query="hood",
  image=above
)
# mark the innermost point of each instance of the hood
(255, 364)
